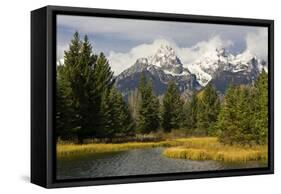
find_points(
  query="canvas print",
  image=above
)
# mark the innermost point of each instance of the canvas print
(144, 97)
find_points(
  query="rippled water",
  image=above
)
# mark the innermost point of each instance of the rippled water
(136, 162)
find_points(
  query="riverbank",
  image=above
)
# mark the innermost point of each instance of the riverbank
(193, 148)
(209, 148)
(67, 150)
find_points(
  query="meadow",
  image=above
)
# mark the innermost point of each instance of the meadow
(191, 148)
(209, 148)
(66, 150)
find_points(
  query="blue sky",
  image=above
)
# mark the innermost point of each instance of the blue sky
(124, 40)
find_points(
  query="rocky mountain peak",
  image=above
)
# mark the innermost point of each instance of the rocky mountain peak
(218, 66)
(166, 58)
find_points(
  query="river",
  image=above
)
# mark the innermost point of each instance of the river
(136, 162)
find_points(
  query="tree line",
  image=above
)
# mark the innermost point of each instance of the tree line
(239, 117)
(244, 115)
(89, 106)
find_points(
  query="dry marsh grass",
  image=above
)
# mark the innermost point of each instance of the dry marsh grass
(193, 148)
(65, 150)
(208, 148)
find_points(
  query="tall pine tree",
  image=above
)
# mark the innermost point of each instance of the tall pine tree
(64, 111)
(103, 82)
(208, 110)
(190, 113)
(261, 108)
(225, 124)
(116, 120)
(83, 80)
(172, 108)
(148, 110)
(243, 118)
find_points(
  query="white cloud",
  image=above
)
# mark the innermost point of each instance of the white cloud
(201, 49)
(257, 43)
(121, 61)
(140, 31)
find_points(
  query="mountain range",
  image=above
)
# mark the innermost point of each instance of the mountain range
(218, 67)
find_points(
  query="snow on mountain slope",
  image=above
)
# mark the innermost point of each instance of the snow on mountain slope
(220, 60)
(162, 67)
(202, 77)
(215, 65)
(166, 59)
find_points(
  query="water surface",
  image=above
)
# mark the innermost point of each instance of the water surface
(136, 162)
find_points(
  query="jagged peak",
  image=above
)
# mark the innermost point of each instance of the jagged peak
(142, 60)
(223, 52)
(165, 50)
(205, 67)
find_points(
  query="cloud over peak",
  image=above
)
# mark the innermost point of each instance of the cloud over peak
(256, 43)
(121, 61)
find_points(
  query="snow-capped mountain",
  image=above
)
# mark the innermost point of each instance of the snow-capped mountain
(167, 60)
(218, 66)
(161, 68)
(214, 63)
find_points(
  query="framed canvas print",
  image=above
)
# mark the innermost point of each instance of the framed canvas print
(125, 96)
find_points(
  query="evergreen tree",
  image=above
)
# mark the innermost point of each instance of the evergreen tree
(102, 82)
(116, 119)
(84, 79)
(107, 115)
(79, 62)
(261, 108)
(235, 120)
(148, 112)
(103, 75)
(64, 121)
(172, 108)
(208, 110)
(226, 116)
(243, 118)
(124, 123)
(190, 113)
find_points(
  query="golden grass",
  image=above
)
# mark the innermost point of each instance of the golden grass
(66, 150)
(208, 148)
(193, 148)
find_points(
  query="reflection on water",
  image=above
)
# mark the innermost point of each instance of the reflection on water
(137, 162)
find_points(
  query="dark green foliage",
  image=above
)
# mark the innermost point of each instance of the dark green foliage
(81, 82)
(78, 73)
(64, 121)
(115, 116)
(225, 122)
(102, 81)
(235, 117)
(207, 111)
(190, 113)
(172, 113)
(244, 114)
(148, 112)
(261, 108)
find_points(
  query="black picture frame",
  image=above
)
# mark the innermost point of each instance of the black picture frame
(43, 60)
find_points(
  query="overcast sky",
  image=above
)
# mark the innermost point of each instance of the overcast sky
(125, 40)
